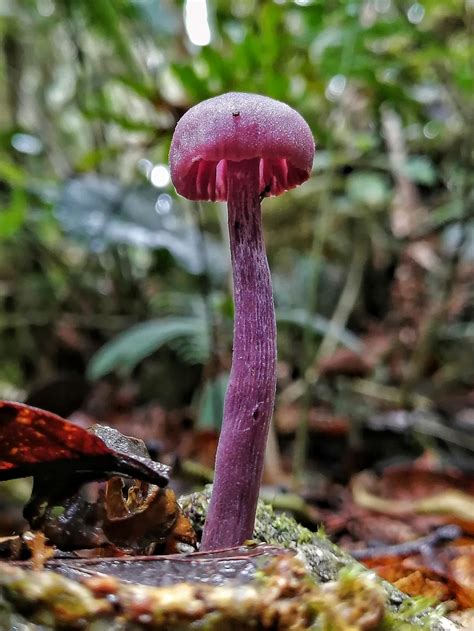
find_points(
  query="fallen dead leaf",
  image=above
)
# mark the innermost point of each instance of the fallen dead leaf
(461, 572)
(417, 584)
(40, 551)
(365, 489)
(465, 619)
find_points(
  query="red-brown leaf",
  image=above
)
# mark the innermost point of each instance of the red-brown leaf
(34, 441)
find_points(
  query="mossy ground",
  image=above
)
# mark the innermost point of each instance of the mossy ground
(319, 588)
(327, 562)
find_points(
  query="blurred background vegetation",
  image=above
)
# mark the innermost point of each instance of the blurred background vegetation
(114, 292)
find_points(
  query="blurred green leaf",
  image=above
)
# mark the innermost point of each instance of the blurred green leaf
(101, 87)
(318, 325)
(13, 216)
(124, 352)
(420, 170)
(447, 212)
(11, 173)
(192, 84)
(368, 188)
(100, 211)
(211, 402)
(105, 17)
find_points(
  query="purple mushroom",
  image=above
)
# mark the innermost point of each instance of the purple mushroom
(241, 148)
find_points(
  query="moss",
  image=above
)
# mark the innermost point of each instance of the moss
(326, 562)
(322, 557)
(289, 593)
(284, 597)
(417, 609)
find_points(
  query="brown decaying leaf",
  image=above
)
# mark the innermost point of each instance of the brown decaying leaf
(126, 518)
(451, 580)
(148, 516)
(418, 584)
(40, 551)
(393, 520)
(464, 619)
(451, 501)
(62, 456)
(461, 573)
(423, 477)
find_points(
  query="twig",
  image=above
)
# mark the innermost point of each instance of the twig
(329, 343)
(346, 302)
(435, 319)
(388, 393)
(301, 439)
(440, 535)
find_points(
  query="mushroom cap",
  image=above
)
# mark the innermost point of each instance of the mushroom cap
(239, 126)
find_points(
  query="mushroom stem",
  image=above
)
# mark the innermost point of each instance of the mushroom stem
(250, 394)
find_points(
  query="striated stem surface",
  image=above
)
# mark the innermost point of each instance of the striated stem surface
(251, 392)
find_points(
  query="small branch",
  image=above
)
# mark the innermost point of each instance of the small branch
(428, 335)
(330, 341)
(388, 393)
(440, 535)
(346, 302)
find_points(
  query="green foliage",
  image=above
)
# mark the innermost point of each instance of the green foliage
(211, 401)
(13, 215)
(86, 245)
(124, 352)
(317, 324)
(369, 189)
(420, 170)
